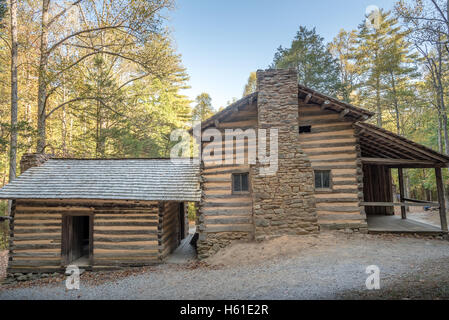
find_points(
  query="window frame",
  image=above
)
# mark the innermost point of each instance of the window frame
(240, 174)
(330, 188)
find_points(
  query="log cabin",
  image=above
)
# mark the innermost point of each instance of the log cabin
(97, 214)
(333, 170)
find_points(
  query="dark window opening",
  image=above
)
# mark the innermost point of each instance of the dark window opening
(240, 182)
(305, 129)
(322, 179)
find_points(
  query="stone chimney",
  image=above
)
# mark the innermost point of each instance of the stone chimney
(30, 160)
(284, 203)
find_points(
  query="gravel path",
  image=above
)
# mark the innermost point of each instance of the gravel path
(328, 273)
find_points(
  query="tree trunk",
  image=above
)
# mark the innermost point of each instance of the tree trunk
(396, 105)
(440, 129)
(378, 106)
(42, 82)
(14, 99)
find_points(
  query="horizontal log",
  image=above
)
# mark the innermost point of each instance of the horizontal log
(125, 239)
(305, 137)
(37, 237)
(36, 224)
(125, 223)
(333, 167)
(46, 269)
(31, 254)
(243, 170)
(320, 121)
(36, 246)
(328, 145)
(124, 247)
(35, 263)
(126, 217)
(28, 216)
(125, 232)
(324, 191)
(107, 255)
(330, 152)
(237, 196)
(46, 230)
(334, 129)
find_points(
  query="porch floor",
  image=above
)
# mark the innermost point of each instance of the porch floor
(394, 224)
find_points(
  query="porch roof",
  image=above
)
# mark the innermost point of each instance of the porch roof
(379, 146)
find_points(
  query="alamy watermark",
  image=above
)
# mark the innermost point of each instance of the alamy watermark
(373, 280)
(373, 17)
(233, 146)
(73, 279)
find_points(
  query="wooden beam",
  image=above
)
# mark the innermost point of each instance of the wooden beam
(397, 204)
(307, 99)
(400, 162)
(441, 199)
(344, 113)
(402, 192)
(326, 104)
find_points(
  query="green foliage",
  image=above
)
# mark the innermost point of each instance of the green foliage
(309, 55)
(203, 109)
(191, 211)
(251, 85)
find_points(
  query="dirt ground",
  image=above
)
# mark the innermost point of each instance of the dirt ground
(284, 247)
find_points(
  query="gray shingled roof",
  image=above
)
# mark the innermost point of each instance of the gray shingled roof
(127, 179)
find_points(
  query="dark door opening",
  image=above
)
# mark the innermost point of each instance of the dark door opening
(77, 240)
(182, 223)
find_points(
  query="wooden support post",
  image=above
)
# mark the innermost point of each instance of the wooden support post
(402, 192)
(441, 200)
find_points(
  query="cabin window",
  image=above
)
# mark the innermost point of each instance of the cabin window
(240, 182)
(305, 129)
(322, 179)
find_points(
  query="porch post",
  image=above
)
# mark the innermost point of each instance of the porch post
(402, 192)
(441, 200)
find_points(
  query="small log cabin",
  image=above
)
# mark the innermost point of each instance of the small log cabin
(97, 213)
(332, 170)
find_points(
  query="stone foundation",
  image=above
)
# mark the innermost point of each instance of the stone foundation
(214, 242)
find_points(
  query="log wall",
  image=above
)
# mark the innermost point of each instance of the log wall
(125, 233)
(169, 228)
(332, 145)
(224, 216)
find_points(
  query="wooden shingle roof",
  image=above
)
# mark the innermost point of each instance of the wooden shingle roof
(124, 179)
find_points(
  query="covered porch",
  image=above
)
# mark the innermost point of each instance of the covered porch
(382, 151)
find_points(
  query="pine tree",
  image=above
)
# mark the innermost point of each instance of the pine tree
(310, 56)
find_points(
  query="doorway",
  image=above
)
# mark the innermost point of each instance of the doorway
(77, 245)
(182, 223)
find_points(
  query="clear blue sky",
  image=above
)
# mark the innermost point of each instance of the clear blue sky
(222, 41)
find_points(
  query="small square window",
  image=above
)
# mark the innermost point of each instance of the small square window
(305, 129)
(322, 179)
(240, 182)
